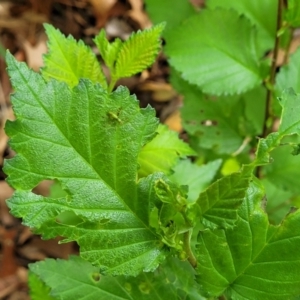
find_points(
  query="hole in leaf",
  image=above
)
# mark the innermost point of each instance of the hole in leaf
(56, 191)
(68, 218)
(209, 123)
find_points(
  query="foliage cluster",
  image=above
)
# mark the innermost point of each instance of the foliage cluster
(150, 223)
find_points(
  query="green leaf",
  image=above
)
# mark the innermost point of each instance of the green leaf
(196, 177)
(108, 51)
(284, 170)
(262, 14)
(220, 202)
(38, 289)
(89, 143)
(253, 260)
(172, 215)
(289, 125)
(292, 15)
(163, 152)
(208, 60)
(69, 60)
(255, 105)
(289, 75)
(163, 11)
(278, 201)
(138, 52)
(220, 124)
(77, 279)
(230, 166)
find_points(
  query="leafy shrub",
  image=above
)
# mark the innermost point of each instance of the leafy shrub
(151, 226)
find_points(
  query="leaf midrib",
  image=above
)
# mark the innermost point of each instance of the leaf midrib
(252, 261)
(85, 161)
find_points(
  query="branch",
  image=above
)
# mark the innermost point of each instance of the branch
(268, 112)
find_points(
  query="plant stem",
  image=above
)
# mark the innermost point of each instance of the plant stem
(111, 85)
(187, 247)
(271, 82)
(268, 112)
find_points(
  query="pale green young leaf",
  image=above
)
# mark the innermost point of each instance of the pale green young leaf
(220, 202)
(69, 60)
(78, 279)
(262, 14)
(208, 60)
(89, 143)
(138, 52)
(196, 177)
(253, 260)
(289, 75)
(108, 51)
(38, 289)
(172, 12)
(163, 152)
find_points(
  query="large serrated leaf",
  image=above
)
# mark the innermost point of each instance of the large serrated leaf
(209, 60)
(77, 279)
(69, 60)
(220, 202)
(162, 153)
(254, 260)
(255, 10)
(89, 141)
(138, 52)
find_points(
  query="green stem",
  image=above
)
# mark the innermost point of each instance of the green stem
(112, 84)
(271, 82)
(187, 247)
(269, 97)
